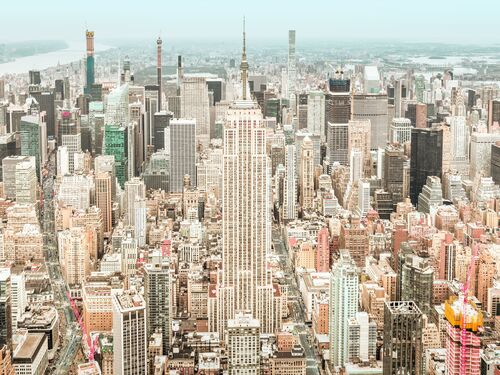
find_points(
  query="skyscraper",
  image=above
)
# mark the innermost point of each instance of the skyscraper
(316, 114)
(116, 145)
(426, 158)
(400, 130)
(289, 185)
(292, 63)
(417, 276)
(306, 181)
(359, 138)
(103, 199)
(402, 338)
(338, 143)
(33, 140)
(26, 182)
(129, 334)
(157, 296)
(195, 105)
(373, 107)
(461, 360)
(75, 256)
(182, 153)
(243, 345)
(90, 74)
(394, 160)
(344, 297)
(5, 308)
(246, 284)
(158, 72)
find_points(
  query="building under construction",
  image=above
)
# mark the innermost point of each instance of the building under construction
(463, 331)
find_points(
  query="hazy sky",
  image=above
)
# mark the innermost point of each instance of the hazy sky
(419, 20)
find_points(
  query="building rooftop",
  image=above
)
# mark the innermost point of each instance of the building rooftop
(29, 347)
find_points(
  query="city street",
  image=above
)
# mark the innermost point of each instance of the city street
(71, 338)
(297, 309)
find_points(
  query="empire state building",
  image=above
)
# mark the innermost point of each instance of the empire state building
(245, 284)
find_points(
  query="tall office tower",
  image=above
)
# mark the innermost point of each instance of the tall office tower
(5, 308)
(73, 144)
(316, 114)
(417, 277)
(323, 251)
(9, 165)
(96, 122)
(18, 297)
(129, 334)
(74, 255)
(421, 116)
(134, 189)
(487, 271)
(90, 74)
(103, 164)
(290, 185)
(459, 145)
(355, 165)
(25, 180)
(67, 123)
(157, 296)
(361, 338)
(400, 130)
(129, 254)
(354, 238)
(140, 220)
(104, 199)
(158, 72)
(316, 140)
(402, 338)
(117, 111)
(426, 158)
(246, 284)
(359, 138)
(401, 93)
(338, 104)
(160, 126)
(344, 297)
(493, 114)
(459, 360)
(195, 105)
(292, 64)
(431, 196)
(34, 77)
(338, 143)
(116, 145)
(375, 109)
(180, 77)
(495, 162)
(34, 140)
(243, 344)
(394, 160)
(7, 148)
(363, 198)
(480, 152)
(183, 134)
(306, 181)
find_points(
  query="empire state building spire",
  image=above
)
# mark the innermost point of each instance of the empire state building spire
(244, 64)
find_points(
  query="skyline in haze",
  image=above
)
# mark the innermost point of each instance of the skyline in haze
(266, 20)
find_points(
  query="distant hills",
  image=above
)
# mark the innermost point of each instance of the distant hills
(12, 51)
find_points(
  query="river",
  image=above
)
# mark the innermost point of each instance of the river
(74, 52)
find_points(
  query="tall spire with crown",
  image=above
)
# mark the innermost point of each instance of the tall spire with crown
(244, 64)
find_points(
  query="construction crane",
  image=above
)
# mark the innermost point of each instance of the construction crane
(92, 345)
(465, 291)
